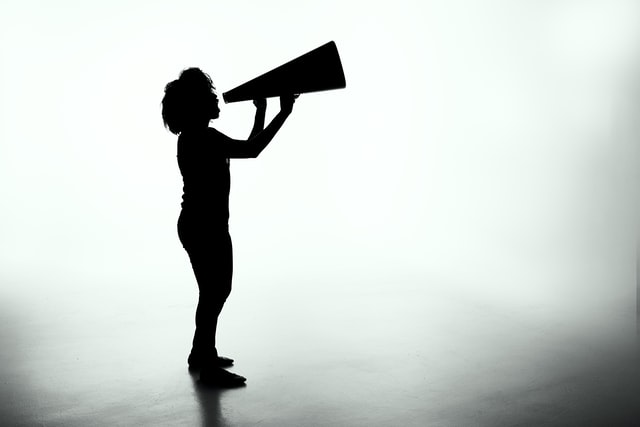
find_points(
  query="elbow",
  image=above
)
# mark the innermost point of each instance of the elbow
(250, 154)
(252, 149)
(255, 151)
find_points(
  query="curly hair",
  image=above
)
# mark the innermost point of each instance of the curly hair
(189, 99)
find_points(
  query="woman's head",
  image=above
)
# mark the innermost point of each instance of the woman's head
(190, 101)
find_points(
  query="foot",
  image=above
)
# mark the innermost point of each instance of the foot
(223, 362)
(197, 362)
(218, 377)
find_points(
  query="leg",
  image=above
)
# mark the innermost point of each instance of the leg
(213, 268)
(214, 283)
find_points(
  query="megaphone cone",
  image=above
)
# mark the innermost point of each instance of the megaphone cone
(315, 71)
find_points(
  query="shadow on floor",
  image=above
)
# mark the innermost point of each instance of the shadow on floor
(210, 402)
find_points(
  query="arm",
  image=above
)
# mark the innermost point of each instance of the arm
(258, 123)
(251, 148)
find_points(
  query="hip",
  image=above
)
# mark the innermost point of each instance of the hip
(197, 228)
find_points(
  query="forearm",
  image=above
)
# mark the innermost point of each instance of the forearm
(258, 123)
(264, 137)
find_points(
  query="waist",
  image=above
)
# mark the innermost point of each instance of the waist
(194, 214)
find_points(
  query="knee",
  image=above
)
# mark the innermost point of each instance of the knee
(217, 294)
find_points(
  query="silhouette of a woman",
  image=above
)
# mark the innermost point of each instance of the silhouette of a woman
(189, 104)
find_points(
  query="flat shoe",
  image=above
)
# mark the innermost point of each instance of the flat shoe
(218, 377)
(223, 362)
(196, 363)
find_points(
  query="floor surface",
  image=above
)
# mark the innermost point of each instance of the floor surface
(385, 354)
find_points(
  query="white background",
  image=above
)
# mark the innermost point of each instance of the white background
(484, 147)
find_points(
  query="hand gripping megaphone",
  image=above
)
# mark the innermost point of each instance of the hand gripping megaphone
(315, 71)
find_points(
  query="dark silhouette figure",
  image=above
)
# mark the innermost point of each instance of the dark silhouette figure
(189, 104)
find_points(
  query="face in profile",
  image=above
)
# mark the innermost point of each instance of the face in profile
(215, 109)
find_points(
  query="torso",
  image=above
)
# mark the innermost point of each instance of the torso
(206, 178)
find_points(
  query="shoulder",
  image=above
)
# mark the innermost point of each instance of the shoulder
(213, 134)
(196, 138)
(192, 135)
(202, 136)
(191, 143)
(203, 143)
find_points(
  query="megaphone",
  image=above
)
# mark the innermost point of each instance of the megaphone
(315, 71)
